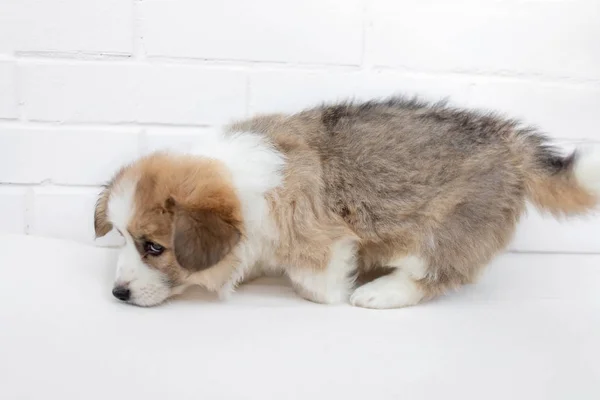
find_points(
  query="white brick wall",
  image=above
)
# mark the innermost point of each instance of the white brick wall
(86, 85)
(539, 37)
(102, 92)
(8, 90)
(62, 155)
(307, 31)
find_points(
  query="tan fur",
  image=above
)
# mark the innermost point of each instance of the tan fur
(557, 192)
(561, 196)
(308, 227)
(171, 189)
(401, 178)
(101, 223)
(455, 222)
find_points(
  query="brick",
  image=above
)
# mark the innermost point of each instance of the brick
(13, 207)
(87, 26)
(98, 92)
(68, 213)
(8, 90)
(557, 38)
(311, 31)
(566, 111)
(179, 139)
(8, 25)
(291, 91)
(64, 155)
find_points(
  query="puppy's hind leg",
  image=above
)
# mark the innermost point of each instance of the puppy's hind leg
(397, 289)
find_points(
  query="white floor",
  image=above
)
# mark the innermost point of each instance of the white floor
(529, 330)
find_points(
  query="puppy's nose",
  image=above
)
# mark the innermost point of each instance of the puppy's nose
(121, 293)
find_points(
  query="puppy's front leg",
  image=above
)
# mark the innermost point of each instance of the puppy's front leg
(252, 274)
(331, 284)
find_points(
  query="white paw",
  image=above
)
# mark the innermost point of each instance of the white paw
(392, 291)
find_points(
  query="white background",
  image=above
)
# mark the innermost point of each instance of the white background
(88, 84)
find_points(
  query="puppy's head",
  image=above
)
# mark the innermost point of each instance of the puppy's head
(179, 216)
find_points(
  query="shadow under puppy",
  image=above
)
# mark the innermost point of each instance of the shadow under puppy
(428, 192)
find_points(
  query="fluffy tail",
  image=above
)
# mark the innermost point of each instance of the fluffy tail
(562, 185)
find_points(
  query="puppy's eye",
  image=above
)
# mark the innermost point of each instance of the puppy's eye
(154, 249)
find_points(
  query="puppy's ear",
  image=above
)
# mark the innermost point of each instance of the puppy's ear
(101, 224)
(202, 237)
